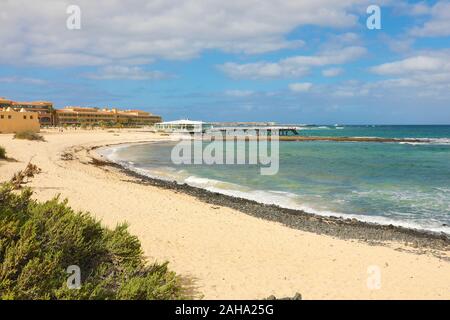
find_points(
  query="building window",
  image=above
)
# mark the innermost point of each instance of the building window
(9, 117)
(2, 117)
(25, 117)
(31, 117)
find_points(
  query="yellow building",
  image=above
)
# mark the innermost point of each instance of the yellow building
(43, 108)
(12, 121)
(48, 116)
(81, 115)
(136, 117)
(95, 116)
(5, 103)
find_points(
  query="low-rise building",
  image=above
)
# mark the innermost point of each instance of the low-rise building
(5, 103)
(12, 121)
(183, 126)
(136, 117)
(97, 116)
(43, 108)
(83, 115)
(48, 116)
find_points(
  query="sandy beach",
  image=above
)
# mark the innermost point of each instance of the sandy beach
(226, 253)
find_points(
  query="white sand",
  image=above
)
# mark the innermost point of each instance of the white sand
(230, 255)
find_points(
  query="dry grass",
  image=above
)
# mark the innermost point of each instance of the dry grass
(29, 135)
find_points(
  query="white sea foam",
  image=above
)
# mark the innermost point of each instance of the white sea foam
(291, 201)
(280, 198)
(413, 143)
(110, 152)
(428, 141)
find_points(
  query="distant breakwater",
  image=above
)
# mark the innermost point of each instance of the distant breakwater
(336, 139)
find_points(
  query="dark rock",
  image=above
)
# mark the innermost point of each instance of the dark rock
(297, 296)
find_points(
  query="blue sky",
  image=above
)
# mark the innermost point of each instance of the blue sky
(290, 61)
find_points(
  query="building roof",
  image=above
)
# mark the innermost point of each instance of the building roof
(133, 112)
(76, 109)
(32, 103)
(9, 109)
(137, 112)
(84, 110)
(183, 121)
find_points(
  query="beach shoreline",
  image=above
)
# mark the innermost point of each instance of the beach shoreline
(228, 252)
(340, 227)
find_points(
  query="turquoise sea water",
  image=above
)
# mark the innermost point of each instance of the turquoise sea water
(385, 131)
(398, 183)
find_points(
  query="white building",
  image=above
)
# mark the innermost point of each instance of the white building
(183, 126)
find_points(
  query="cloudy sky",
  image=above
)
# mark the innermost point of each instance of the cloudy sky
(290, 61)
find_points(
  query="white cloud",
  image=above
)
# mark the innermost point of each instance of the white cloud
(418, 9)
(293, 66)
(424, 74)
(439, 23)
(416, 64)
(35, 32)
(65, 60)
(411, 9)
(126, 73)
(332, 72)
(349, 89)
(261, 70)
(300, 86)
(340, 40)
(23, 80)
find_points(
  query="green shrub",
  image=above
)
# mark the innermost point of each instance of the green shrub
(2, 153)
(38, 241)
(29, 135)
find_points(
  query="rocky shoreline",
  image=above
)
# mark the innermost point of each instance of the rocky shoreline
(338, 227)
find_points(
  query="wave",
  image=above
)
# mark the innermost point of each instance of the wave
(281, 198)
(271, 197)
(290, 201)
(318, 128)
(111, 152)
(428, 141)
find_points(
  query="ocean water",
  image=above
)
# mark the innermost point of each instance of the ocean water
(385, 131)
(405, 184)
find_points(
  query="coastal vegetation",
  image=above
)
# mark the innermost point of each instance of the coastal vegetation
(29, 135)
(41, 241)
(2, 153)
